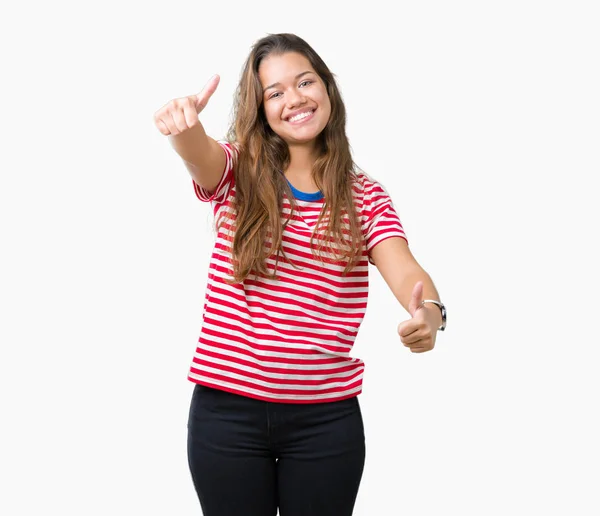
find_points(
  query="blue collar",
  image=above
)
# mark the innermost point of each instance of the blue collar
(303, 196)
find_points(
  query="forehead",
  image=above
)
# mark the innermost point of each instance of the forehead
(282, 68)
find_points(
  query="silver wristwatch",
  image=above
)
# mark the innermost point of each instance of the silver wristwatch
(442, 309)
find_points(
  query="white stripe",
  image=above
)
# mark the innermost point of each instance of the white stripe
(286, 307)
(295, 386)
(278, 329)
(285, 272)
(270, 363)
(316, 346)
(355, 315)
(277, 376)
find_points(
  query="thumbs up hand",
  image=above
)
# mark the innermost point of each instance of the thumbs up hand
(419, 333)
(179, 115)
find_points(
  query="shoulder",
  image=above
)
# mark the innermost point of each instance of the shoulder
(366, 188)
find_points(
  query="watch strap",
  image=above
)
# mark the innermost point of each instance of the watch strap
(442, 309)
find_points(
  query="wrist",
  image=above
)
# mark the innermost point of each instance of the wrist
(435, 314)
(438, 312)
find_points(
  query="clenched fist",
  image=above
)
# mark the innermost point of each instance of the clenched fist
(179, 115)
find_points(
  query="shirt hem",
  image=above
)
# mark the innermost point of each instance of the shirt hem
(274, 400)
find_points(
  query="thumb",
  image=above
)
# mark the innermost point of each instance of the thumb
(416, 298)
(203, 97)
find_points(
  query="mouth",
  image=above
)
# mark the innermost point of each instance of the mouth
(301, 117)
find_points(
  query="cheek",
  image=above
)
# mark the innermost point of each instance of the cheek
(326, 106)
(323, 100)
(272, 114)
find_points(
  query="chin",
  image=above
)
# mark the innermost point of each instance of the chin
(301, 136)
(301, 141)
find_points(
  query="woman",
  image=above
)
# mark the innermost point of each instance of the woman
(274, 419)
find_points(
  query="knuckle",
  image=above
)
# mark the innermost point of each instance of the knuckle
(175, 105)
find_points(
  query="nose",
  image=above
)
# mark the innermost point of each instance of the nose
(295, 98)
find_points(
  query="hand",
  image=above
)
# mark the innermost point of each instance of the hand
(419, 333)
(179, 115)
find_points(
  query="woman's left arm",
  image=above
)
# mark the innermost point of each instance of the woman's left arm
(410, 284)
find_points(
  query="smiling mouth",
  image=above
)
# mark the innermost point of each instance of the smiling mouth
(301, 116)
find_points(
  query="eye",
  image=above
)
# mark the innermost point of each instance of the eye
(306, 82)
(275, 95)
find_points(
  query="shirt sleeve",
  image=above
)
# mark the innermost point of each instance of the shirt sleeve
(381, 221)
(224, 186)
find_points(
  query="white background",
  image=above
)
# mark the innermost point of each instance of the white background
(482, 121)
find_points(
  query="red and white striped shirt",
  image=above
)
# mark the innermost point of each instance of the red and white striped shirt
(288, 340)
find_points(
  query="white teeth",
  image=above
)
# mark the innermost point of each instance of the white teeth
(300, 116)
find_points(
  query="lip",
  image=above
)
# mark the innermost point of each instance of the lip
(302, 120)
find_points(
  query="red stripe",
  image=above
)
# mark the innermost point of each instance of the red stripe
(272, 390)
(296, 335)
(321, 273)
(245, 316)
(265, 309)
(277, 370)
(299, 304)
(262, 297)
(252, 339)
(269, 379)
(276, 360)
(308, 281)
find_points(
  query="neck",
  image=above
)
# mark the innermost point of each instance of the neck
(302, 158)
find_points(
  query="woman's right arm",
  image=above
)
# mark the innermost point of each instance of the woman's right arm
(202, 155)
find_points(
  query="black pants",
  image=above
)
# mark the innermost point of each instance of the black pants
(249, 457)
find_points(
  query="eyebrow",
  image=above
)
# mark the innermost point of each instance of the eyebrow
(295, 78)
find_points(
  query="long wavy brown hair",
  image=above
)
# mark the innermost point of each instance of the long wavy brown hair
(261, 185)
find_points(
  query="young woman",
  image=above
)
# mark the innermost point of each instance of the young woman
(274, 419)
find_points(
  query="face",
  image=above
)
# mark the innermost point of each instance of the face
(295, 99)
